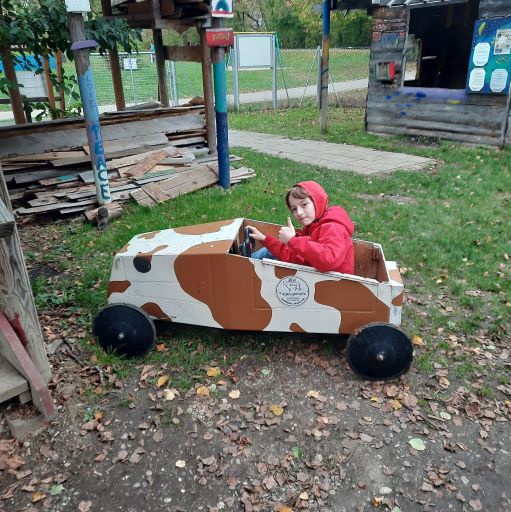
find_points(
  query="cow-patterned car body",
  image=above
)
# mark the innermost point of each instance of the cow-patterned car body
(196, 275)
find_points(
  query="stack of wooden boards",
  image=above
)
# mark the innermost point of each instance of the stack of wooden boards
(152, 156)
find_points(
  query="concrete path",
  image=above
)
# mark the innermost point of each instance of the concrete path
(339, 157)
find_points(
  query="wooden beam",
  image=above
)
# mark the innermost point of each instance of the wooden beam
(160, 67)
(115, 66)
(60, 80)
(16, 300)
(49, 85)
(207, 86)
(14, 94)
(183, 53)
(6, 221)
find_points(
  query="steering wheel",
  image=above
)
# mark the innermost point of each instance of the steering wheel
(248, 244)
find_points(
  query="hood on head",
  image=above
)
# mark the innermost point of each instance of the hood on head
(318, 195)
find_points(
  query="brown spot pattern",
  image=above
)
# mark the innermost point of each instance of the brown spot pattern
(152, 309)
(296, 328)
(227, 284)
(117, 287)
(356, 303)
(149, 236)
(281, 272)
(202, 229)
(124, 249)
(149, 255)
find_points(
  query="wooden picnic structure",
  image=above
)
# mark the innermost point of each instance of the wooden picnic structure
(420, 56)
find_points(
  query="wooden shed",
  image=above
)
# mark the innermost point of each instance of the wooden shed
(441, 69)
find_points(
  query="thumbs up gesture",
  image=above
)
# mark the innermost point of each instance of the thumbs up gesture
(287, 232)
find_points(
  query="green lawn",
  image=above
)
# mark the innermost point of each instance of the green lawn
(451, 236)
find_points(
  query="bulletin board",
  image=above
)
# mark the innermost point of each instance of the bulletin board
(489, 70)
(255, 50)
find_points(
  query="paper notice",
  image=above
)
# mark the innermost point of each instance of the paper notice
(498, 80)
(476, 80)
(503, 42)
(481, 54)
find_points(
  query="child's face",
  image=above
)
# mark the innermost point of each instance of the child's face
(303, 210)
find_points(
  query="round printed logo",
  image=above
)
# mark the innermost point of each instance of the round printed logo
(292, 291)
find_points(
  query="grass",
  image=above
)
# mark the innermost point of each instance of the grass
(453, 242)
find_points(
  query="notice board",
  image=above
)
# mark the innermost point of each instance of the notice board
(489, 70)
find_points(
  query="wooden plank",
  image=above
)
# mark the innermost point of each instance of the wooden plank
(31, 143)
(144, 165)
(12, 349)
(44, 157)
(6, 221)
(113, 209)
(155, 192)
(54, 207)
(151, 139)
(88, 176)
(16, 294)
(29, 177)
(183, 53)
(142, 198)
(12, 383)
(133, 159)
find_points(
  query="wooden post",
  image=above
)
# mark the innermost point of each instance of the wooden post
(49, 85)
(14, 94)
(325, 57)
(80, 49)
(207, 85)
(17, 302)
(160, 67)
(115, 66)
(60, 80)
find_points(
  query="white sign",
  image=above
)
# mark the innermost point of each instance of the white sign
(481, 54)
(78, 5)
(292, 291)
(498, 80)
(476, 80)
(34, 85)
(503, 42)
(130, 63)
(255, 50)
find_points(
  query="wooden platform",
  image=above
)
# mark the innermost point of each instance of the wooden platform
(12, 384)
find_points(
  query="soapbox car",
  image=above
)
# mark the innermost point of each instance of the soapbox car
(204, 275)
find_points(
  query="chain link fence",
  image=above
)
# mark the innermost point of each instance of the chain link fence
(298, 72)
(297, 79)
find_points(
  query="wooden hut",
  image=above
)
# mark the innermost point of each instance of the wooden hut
(441, 69)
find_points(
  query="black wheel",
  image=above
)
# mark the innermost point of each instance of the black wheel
(125, 330)
(379, 352)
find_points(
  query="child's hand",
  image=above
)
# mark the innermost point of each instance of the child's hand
(256, 234)
(287, 232)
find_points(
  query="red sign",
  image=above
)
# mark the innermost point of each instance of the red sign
(220, 37)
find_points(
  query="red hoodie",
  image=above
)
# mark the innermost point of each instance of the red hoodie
(325, 244)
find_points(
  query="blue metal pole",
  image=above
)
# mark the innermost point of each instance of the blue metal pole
(81, 48)
(222, 132)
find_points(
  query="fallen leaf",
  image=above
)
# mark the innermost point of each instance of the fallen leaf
(395, 404)
(417, 341)
(162, 381)
(56, 489)
(84, 506)
(234, 393)
(180, 463)
(476, 504)
(168, 395)
(265, 372)
(158, 436)
(38, 496)
(312, 394)
(202, 391)
(214, 372)
(417, 444)
(445, 415)
(304, 496)
(276, 409)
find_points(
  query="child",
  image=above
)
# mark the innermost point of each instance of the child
(324, 242)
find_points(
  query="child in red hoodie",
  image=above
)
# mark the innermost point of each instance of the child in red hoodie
(325, 241)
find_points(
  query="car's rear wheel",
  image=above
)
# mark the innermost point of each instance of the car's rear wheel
(125, 330)
(379, 351)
